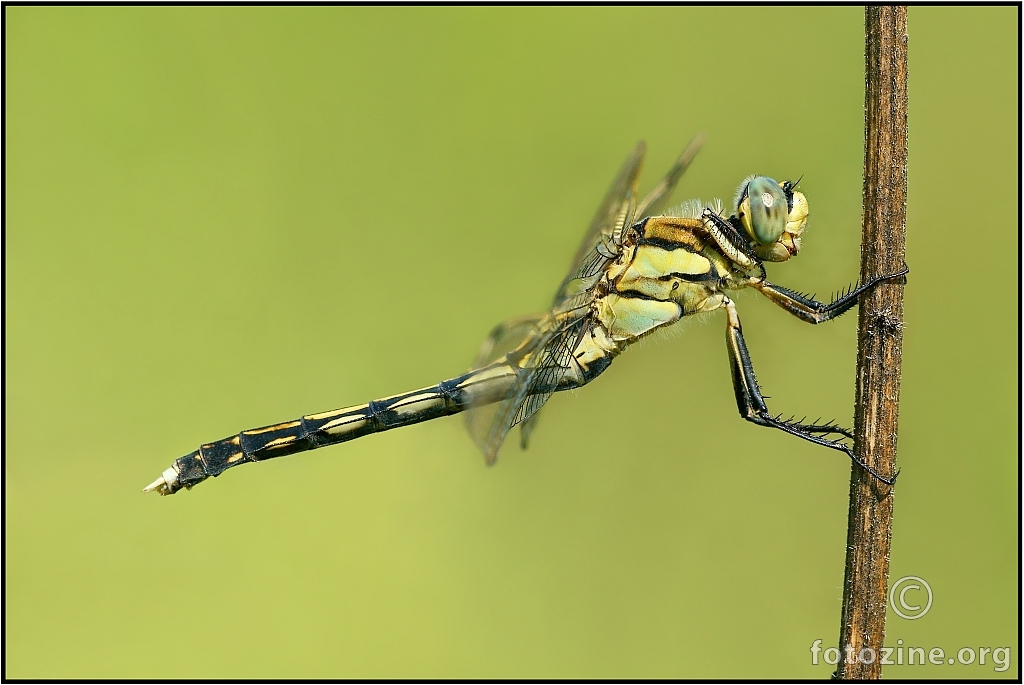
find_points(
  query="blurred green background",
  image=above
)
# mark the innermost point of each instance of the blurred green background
(220, 218)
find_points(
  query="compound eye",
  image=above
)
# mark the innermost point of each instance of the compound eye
(764, 210)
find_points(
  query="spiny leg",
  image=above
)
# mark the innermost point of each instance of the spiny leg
(748, 392)
(732, 244)
(812, 311)
(752, 406)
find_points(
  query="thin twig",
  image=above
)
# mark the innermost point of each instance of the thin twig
(880, 342)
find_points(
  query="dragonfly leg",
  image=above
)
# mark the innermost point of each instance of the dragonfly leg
(753, 408)
(812, 311)
(732, 244)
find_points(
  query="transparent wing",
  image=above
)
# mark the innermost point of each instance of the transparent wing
(541, 349)
(600, 244)
(557, 362)
(659, 195)
(504, 338)
(544, 363)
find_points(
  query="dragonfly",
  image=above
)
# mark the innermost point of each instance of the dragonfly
(638, 269)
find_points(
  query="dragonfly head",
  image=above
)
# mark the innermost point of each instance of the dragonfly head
(773, 215)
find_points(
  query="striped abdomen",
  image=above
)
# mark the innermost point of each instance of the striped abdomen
(482, 386)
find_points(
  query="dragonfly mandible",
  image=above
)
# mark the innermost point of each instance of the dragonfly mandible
(638, 269)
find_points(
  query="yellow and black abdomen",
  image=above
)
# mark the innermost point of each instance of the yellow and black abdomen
(478, 387)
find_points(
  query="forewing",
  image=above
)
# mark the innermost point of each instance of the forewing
(550, 347)
(659, 195)
(600, 243)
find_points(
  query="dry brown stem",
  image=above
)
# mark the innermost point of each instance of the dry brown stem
(880, 342)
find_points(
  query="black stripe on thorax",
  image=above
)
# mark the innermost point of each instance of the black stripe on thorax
(666, 244)
(637, 295)
(711, 275)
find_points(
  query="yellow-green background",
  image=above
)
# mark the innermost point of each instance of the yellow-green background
(221, 218)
